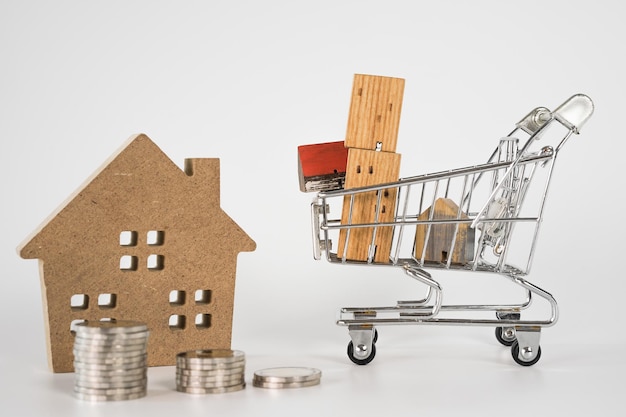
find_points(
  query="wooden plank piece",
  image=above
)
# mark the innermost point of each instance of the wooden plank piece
(364, 168)
(374, 116)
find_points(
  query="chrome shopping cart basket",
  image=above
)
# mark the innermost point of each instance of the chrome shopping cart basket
(473, 219)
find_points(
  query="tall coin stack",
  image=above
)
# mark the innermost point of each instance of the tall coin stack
(210, 371)
(110, 360)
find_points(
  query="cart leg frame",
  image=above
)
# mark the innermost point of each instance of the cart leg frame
(523, 336)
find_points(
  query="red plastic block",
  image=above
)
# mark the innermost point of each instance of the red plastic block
(322, 166)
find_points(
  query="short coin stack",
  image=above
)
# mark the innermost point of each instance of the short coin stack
(287, 377)
(210, 371)
(110, 360)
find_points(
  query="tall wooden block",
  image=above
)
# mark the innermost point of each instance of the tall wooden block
(364, 168)
(375, 110)
(439, 246)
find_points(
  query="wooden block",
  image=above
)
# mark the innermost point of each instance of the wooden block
(375, 110)
(322, 166)
(366, 167)
(441, 235)
(141, 240)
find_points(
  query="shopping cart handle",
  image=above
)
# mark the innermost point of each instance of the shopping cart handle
(574, 112)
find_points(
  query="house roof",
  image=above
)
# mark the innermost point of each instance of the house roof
(136, 183)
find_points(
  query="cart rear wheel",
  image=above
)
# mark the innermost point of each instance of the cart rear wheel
(505, 335)
(516, 355)
(361, 361)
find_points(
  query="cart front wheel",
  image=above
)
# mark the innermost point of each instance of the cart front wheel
(505, 335)
(534, 357)
(359, 360)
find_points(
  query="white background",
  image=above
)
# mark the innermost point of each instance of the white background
(249, 81)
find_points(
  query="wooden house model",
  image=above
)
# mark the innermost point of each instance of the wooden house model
(141, 240)
(439, 247)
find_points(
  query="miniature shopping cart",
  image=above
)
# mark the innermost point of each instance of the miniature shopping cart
(483, 218)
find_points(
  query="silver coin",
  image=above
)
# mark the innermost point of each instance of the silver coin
(209, 368)
(112, 368)
(108, 338)
(81, 341)
(109, 391)
(210, 356)
(210, 382)
(112, 397)
(116, 348)
(109, 327)
(139, 370)
(287, 375)
(113, 349)
(284, 385)
(218, 390)
(209, 378)
(107, 384)
(211, 386)
(181, 363)
(110, 377)
(211, 372)
(113, 356)
(116, 358)
(142, 383)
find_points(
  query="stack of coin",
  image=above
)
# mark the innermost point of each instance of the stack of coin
(286, 377)
(210, 371)
(110, 360)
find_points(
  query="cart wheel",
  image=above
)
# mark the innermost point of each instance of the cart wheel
(359, 361)
(515, 354)
(375, 339)
(507, 338)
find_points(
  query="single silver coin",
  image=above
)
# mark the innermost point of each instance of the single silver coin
(142, 383)
(112, 372)
(208, 365)
(118, 367)
(210, 382)
(109, 357)
(115, 349)
(113, 397)
(210, 356)
(80, 341)
(109, 327)
(287, 374)
(115, 338)
(285, 385)
(210, 377)
(211, 372)
(218, 390)
(109, 391)
(110, 377)
(211, 367)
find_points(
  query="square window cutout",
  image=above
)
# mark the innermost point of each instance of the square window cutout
(107, 300)
(128, 263)
(155, 262)
(128, 238)
(203, 296)
(155, 237)
(177, 298)
(177, 322)
(203, 321)
(79, 302)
